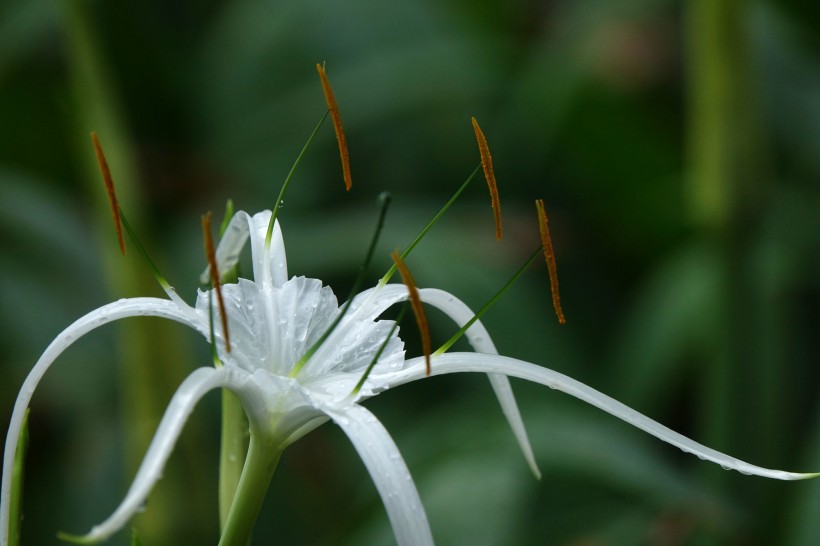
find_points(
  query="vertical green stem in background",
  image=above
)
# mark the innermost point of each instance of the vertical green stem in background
(727, 195)
(147, 379)
(726, 151)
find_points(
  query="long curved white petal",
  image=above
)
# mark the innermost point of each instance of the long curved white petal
(376, 300)
(474, 362)
(195, 386)
(480, 340)
(103, 315)
(389, 472)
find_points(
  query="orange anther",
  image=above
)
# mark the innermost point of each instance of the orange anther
(549, 255)
(211, 255)
(418, 308)
(109, 188)
(487, 164)
(333, 107)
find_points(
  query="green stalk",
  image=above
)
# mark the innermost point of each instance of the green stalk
(17, 473)
(260, 464)
(232, 452)
(729, 170)
(145, 350)
(727, 154)
(714, 83)
(234, 436)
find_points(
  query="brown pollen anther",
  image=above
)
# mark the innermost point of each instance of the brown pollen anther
(333, 108)
(211, 255)
(489, 175)
(109, 188)
(415, 304)
(549, 255)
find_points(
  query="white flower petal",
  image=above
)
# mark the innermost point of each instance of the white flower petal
(272, 266)
(480, 340)
(357, 338)
(273, 269)
(195, 386)
(250, 343)
(108, 313)
(310, 308)
(474, 362)
(388, 470)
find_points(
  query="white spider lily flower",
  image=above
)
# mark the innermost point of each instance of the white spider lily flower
(273, 321)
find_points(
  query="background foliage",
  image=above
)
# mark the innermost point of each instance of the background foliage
(675, 144)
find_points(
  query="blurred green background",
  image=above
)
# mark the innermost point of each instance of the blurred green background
(675, 144)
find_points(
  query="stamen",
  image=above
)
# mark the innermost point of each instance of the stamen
(281, 196)
(378, 354)
(415, 303)
(484, 308)
(109, 188)
(121, 223)
(487, 163)
(333, 107)
(211, 255)
(384, 199)
(390, 272)
(549, 255)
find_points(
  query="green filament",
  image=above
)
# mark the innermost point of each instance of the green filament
(378, 354)
(141, 249)
(449, 343)
(281, 196)
(384, 200)
(430, 224)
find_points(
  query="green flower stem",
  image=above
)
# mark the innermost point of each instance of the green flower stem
(232, 453)
(715, 81)
(15, 517)
(728, 184)
(263, 456)
(727, 151)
